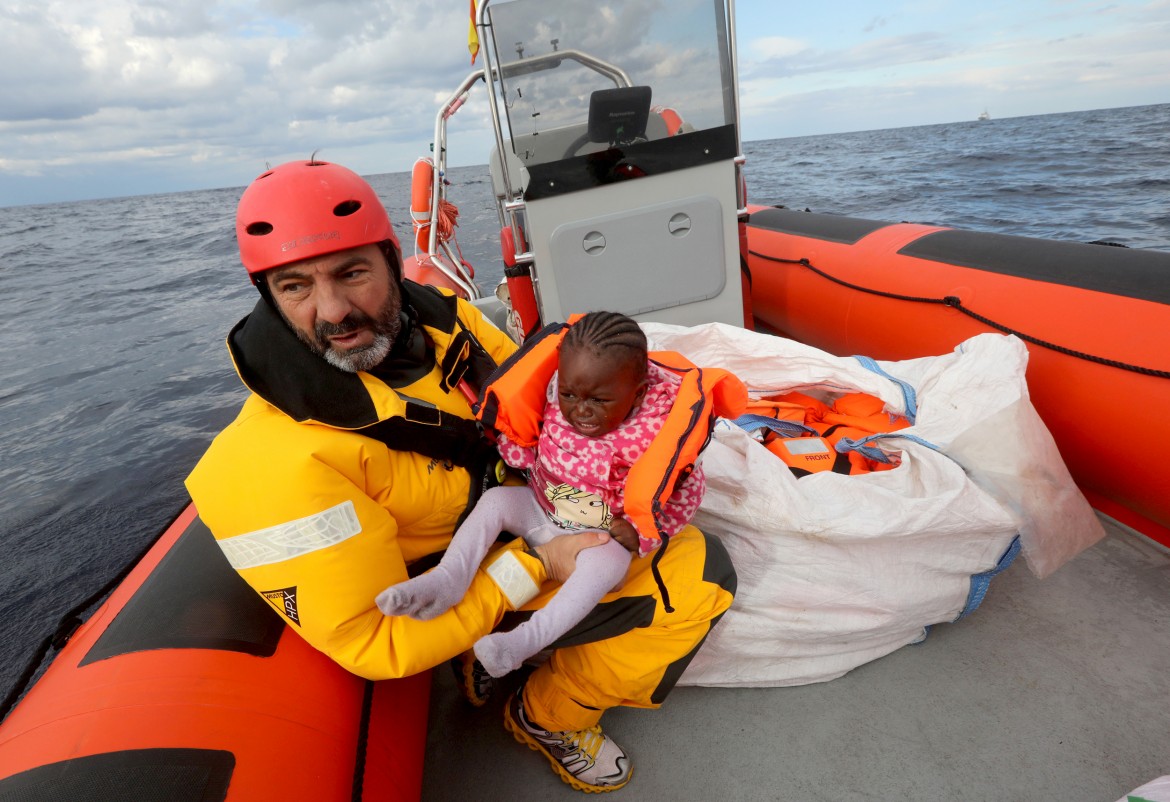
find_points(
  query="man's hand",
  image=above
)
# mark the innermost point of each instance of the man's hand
(559, 555)
(624, 532)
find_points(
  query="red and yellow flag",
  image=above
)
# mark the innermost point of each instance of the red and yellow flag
(472, 36)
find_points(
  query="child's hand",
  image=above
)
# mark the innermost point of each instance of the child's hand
(624, 532)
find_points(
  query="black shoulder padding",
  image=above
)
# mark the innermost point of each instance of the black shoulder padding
(434, 308)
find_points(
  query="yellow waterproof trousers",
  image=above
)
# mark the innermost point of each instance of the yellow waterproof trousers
(630, 651)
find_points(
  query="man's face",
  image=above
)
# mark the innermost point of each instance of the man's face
(345, 306)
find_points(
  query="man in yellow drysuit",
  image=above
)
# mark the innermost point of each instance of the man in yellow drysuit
(355, 456)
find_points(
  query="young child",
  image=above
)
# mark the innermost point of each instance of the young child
(604, 406)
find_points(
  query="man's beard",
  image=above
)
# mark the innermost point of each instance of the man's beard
(385, 327)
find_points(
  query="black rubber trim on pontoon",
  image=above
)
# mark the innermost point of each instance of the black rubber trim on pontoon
(192, 600)
(1129, 272)
(624, 163)
(828, 227)
(144, 775)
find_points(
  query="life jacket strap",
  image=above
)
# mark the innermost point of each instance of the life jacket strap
(433, 433)
(465, 359)
(657, 558)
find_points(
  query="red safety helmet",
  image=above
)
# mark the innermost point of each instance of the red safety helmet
(304, 209)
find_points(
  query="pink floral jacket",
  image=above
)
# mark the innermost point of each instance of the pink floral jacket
(579, 481)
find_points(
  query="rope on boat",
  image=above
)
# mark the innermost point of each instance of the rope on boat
(957, 304)
(69, 624)
(446, 220)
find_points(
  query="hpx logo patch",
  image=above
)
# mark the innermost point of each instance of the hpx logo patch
(285, 600)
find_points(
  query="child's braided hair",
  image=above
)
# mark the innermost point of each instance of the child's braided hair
(608, 334)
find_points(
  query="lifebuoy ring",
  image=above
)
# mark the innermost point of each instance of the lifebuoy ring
(671, 118)
(422, 180)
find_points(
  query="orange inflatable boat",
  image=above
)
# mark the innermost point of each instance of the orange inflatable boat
(1095, 319)
(185, 685)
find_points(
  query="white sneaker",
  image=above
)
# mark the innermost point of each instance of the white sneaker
(588, 760)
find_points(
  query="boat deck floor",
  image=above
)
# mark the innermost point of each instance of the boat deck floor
(1053, 690)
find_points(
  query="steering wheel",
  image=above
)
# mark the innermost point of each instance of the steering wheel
(576, 145)
(584, 140)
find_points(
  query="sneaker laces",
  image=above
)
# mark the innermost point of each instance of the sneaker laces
(584, 743)
(588, 741)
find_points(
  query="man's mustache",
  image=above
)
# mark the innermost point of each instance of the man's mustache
(351, 322)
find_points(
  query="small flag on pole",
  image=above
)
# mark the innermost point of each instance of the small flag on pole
(472, 36)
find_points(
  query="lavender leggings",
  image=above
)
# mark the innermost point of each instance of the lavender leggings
(512, 509)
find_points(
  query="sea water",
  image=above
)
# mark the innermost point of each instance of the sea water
(115, 374)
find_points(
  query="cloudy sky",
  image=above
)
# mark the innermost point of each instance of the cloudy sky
(104, 98)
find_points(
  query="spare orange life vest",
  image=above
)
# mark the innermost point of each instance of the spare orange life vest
(808, 444)
(513, 399)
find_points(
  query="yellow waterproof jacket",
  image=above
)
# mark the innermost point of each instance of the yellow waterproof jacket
(319, 517)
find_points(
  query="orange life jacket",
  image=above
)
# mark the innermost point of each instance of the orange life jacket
(513, 399)
(808, 443)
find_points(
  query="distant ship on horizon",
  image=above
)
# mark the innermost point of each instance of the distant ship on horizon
(984, 115)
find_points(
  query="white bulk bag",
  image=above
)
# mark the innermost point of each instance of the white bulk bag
(838, 570)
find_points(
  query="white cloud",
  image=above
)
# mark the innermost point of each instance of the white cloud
(767, 48)
(184, 94)
(152, 85)
(1016, 59)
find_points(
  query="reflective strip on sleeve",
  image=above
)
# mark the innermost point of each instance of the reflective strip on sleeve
(292, 539)
(515, 582)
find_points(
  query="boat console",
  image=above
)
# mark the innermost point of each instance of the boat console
(617, 159)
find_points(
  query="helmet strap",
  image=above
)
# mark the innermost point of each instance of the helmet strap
(393, 260)
(260, 281)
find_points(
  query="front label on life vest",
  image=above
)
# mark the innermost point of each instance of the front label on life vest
(806, 445)
(285, 600)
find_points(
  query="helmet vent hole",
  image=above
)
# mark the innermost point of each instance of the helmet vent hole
(346, 208)
(259, 229)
